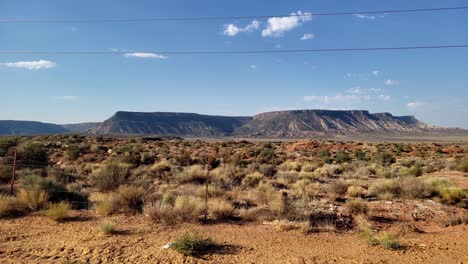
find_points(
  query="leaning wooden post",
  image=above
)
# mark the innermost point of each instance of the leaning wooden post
(206, 187)
(13, 175)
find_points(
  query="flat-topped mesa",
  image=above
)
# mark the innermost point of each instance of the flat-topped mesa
(168, 123)
(278, 124)
(305, 123)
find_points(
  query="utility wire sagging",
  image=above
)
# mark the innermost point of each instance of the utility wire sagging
(206, 52)
(439, 9)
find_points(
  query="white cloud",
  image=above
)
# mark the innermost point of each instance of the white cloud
(71, 97)
(232, 30)
(30, 65)
(307, 36)
(369, 17)
(145, 55)
(350, 98)
(359, 90)
(415, 105)
(278, 25)
(375, 72)
(390, 82)
(384, 97)
(338, 99)
(253, 67)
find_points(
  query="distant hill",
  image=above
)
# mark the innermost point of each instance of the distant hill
(280, 124)
(12, 127)
(307, 123)
(80, 127)
(166, 123)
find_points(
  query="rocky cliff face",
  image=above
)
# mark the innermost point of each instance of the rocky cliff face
(164, 123)
(305, 123)
(282, 124)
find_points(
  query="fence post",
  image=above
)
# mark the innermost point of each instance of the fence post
(13, 175)
(206, 187)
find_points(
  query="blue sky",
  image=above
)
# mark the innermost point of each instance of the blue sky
(430, 84)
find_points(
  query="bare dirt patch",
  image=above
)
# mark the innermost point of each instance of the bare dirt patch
(36, 239)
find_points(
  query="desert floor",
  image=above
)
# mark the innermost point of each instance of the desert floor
(36, 239)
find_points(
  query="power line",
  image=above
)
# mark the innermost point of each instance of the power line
(200, 52)
(232, 17)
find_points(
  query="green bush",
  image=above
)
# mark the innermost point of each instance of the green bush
(360, 155)
(463, 167)
(385, 190)
(385, 159)
(56, 192)
(6, 144)
(73, 152)
(388, 241)
(5, 173)
(342, 157)
(416, 170)
(266, 155)
(130, 198)
(33, 153)
(191, 244)
(357, 206)
(111, 176)
(252, 179)
(108, 228)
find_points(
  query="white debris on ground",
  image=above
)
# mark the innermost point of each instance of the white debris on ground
(168, 245)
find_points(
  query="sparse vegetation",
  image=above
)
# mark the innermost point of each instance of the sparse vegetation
(307, 185)
(59, 211)
(108, 228)
(192, 244)
(111, 176)
(33, 199)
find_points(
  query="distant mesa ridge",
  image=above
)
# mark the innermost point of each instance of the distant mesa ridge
(278, 124)
(169, 123)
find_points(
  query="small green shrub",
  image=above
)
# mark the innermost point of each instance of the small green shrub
(342, 157)
(252, 179)
(338, 188)
(106, 207)
(130, 198)
(5, 145)
(73, 152)
(416, 170)
(59, 211)
(5, 173)
(360, 155)
(111, 176)
(191, 244)
(463, 167)
(108, 228)
(33, 153)
(192, 174)
(451, 195)
(388, 241)
(357, 206)
(385, 190)
(385, 159)
(266, 155)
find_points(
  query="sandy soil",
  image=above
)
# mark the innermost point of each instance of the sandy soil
(36, 239)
